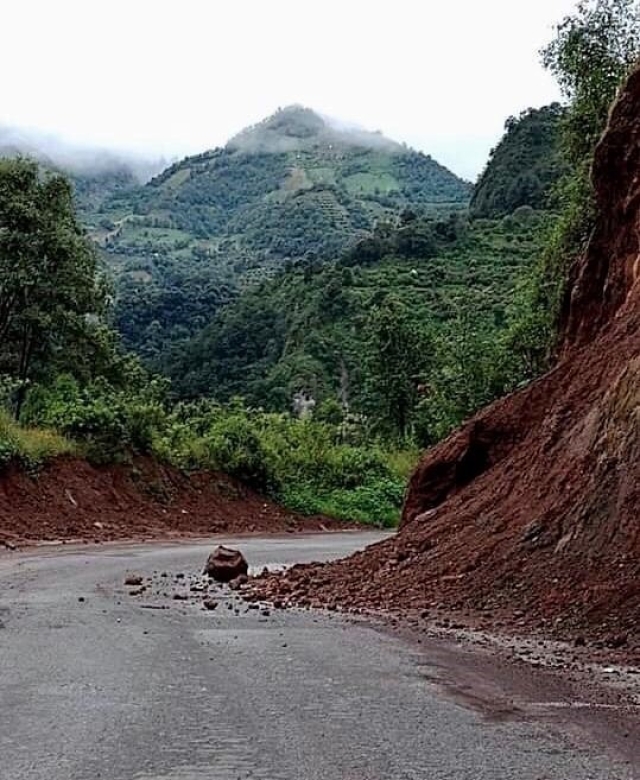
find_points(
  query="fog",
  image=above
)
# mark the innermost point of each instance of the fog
(168, 79)
(76, 159)
(299, 127)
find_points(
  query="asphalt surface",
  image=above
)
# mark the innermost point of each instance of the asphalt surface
(123, 687)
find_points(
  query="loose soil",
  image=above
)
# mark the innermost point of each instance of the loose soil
(70, 499)
(527, 519)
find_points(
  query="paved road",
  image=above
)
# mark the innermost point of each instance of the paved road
(109, 688)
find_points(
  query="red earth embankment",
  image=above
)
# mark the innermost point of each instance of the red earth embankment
(530, 513)
(73, 500)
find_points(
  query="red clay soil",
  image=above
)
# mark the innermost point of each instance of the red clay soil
(529, 515)
(71, 499)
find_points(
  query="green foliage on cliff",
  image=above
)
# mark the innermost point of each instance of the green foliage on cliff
(524, 167)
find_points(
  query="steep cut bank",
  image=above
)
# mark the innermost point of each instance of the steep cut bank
(529, 514)
(72, 500)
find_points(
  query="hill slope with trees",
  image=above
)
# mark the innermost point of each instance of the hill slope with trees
(290, 188)
(524, 167)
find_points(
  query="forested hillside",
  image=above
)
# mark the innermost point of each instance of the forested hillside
(524, 167)
(326, 272)
(292, 187)
(448, 285)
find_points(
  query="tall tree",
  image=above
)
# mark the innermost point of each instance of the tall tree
(399, 352)
(50, 292)
(593, 51)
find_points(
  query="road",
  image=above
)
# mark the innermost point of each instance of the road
(96, 683)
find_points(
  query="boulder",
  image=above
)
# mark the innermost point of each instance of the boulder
(225, 564)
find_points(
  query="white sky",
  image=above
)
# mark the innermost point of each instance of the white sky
(181, 76)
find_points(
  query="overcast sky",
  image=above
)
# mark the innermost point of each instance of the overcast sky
(180, 76)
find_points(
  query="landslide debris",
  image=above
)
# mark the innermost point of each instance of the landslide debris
(225, 564)
(529, 515)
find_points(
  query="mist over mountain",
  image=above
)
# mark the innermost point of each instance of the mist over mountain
(297, 128)
(75, 159)
(295, 188)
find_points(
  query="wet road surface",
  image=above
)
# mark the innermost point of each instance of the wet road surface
(114, 687)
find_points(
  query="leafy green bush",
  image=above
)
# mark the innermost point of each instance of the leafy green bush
(107, 423)
(377, 503)
(301, 463)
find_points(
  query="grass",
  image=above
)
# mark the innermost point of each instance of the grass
(402, 462)
(31, 447)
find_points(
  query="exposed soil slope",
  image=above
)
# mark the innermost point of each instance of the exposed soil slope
(70, 499)
(531, 511)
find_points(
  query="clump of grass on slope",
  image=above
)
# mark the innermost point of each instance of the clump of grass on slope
(31, 447)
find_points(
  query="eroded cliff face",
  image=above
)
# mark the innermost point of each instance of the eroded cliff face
(533, 507)
(604, 282)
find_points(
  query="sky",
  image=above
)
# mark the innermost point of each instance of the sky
(177, 77)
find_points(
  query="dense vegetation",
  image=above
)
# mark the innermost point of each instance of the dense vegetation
(524, 167)
(66, 387)
(445, 286)
(321, 301)
(591, 55)
(290, 188)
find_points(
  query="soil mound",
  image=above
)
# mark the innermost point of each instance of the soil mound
(530, 513)
(71, 499)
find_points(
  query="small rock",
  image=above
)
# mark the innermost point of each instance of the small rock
(133, 579)
(210, 604)
(238, 582)
(180, 597)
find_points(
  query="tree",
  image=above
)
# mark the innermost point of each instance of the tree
(593, 51)
(50, 294)
(399, 352)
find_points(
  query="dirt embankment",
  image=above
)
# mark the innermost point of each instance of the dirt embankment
(70, 499)
(529, 515)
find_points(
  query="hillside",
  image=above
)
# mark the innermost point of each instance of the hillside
(309, 328)
(524, 167)
(97, 174)
(529, 512)
(291, 187)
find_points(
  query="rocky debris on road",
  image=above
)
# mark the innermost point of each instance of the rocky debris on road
(238, 582)
(225, 564)
(525, 520)
(134, 580)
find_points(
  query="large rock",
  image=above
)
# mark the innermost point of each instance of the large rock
(225, 564)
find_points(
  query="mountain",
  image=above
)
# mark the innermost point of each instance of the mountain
(528, 514)
(294, 188)
(524, 167)
(97, 173)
